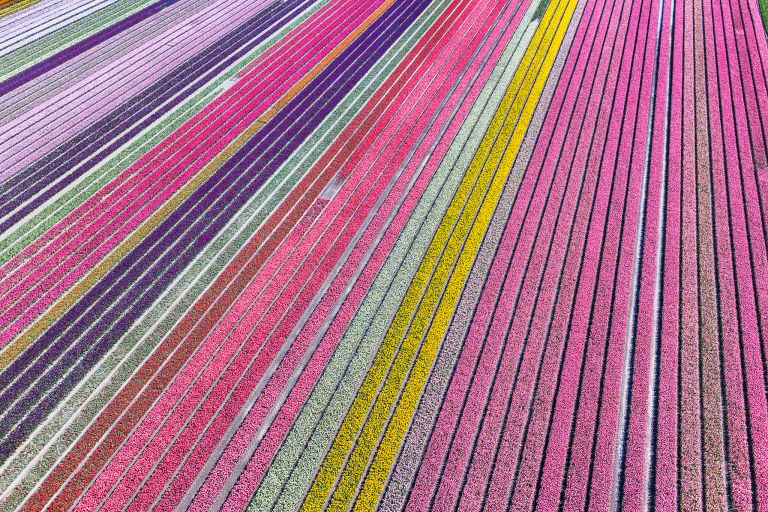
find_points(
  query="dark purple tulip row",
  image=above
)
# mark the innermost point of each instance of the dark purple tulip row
(73, 344)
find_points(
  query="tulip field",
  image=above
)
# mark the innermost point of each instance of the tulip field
(397, 255)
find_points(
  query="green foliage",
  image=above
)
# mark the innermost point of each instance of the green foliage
(543, 4)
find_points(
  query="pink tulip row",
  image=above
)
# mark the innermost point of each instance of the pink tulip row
(738, 223)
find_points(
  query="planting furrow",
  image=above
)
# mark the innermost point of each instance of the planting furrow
(11, 243)
(525, 395)
(35, 52)
(276, 312)
(60, 109)
(424, 487)
(383, 255)
(543, 484)
(559, 327)
(92, 41)
(751, 50)
(341, 89)
(598, 482)
(386, 452)
(538, 479)
(674, 479)
(20, 33)
(21, 106)
(638, 465)
(738, 319)
(189, 186)
(265, 352)
(747, 230)
(155, 57)
(34, 245)
(43, 13)
(185, 191)
(13, 7)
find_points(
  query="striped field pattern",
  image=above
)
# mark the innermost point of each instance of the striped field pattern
(398, 255)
